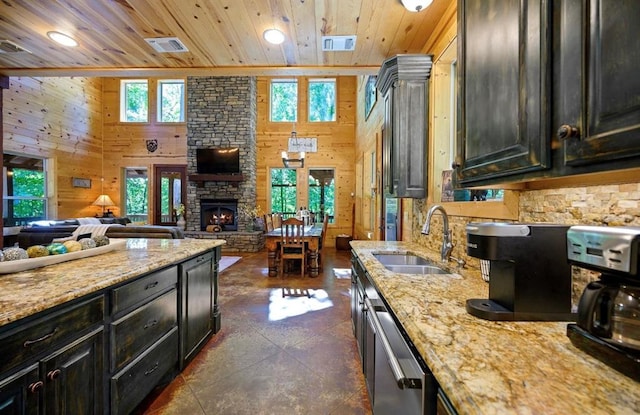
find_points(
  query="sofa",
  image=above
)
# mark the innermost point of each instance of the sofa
(43, 233)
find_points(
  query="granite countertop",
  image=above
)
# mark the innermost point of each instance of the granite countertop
(488, 367)
(25, 293)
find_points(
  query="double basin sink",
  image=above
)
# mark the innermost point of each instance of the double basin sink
(408, 264)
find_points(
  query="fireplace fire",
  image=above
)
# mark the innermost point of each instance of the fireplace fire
(221, 212)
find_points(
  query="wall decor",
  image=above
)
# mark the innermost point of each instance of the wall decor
(370, 95)
(80, 182)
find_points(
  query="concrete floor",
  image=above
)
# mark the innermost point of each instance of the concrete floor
(273, 355)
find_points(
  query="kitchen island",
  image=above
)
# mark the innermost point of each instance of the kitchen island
(487, 367)
(95, 335)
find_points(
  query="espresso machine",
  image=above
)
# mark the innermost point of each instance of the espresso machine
(529, 275)
(608, 324)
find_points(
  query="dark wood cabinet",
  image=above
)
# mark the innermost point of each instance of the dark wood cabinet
(503, 88)
(73, 377)
(64, 358)
(403, 84)
(198, 292)
(598, 88)
(546, 89)
(20, 392)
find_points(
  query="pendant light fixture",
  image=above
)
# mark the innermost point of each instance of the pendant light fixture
(416, 5)
(291, 162)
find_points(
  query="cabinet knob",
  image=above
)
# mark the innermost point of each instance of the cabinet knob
(36, 386)
(567, 131)
(54, 374)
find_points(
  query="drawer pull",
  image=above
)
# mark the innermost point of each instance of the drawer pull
(36, 386)
(153, 369)
(150, 323)
(54, 374)
(151, 285)
(28, 343)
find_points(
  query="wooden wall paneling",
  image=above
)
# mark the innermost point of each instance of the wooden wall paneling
(125, 143)
(336, 148)
(59, 119)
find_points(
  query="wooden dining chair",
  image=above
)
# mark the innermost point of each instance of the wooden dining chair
(276, 218)
(321, 243)
(292, 244)
(268, 222)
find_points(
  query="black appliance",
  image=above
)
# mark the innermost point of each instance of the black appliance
(608, 324)
(529, 275)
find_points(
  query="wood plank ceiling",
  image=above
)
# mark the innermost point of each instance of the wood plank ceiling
(223, 36)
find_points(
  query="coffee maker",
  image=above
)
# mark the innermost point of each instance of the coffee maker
(608, 324)
(529, 275)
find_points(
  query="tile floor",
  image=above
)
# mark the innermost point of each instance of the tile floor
(273, 355)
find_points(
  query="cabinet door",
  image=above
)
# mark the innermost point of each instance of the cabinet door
(73, 377)
(20, 393)
(197, 284)
(598, 80)
(504, 88)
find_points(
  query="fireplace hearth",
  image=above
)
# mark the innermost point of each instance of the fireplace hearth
(220, 212)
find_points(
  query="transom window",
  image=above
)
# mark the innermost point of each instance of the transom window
(134, 100)
(284, 100)
(24, 193)
(322, 100)
(171, 101)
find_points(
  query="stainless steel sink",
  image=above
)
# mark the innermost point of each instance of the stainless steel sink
(408, 264)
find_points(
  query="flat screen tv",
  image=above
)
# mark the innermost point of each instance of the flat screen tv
(218, 160)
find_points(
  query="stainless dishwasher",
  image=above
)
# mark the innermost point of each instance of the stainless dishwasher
(403, 385)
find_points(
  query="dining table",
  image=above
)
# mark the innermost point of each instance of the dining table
(312, 236)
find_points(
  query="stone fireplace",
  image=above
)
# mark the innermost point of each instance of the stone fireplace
(222, 213)
(222, 114)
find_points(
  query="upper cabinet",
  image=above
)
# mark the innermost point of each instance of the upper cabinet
(547, 89)
(403, 84)
(503, 86)
(598, 87)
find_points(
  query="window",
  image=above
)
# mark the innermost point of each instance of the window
(284, 100)
(136, 190)
(322, 100)
(134, 100)
(24, 195)
(322, 190)
(283, 191)
(171, 100)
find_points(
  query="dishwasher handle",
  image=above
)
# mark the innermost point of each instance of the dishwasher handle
(401, 379)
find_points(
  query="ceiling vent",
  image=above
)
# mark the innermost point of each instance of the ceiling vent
(338, 43)
(6, 46)
(167, 44)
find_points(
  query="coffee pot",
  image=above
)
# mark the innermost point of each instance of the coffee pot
(608, 323)
(611, 311)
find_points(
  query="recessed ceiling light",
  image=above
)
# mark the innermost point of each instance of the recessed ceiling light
(273, 36)
(62, 39)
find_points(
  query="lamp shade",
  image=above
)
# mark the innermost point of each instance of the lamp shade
(103, 200)
(416, 5)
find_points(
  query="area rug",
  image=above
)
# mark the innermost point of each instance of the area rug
(342, 273)
(227, 261)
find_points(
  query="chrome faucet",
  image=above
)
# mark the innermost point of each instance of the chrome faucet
(447, 245)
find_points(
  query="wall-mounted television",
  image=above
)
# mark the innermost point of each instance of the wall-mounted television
(218, 160)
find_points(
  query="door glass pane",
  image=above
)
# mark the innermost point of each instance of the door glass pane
(322, 188)
(136, 192)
